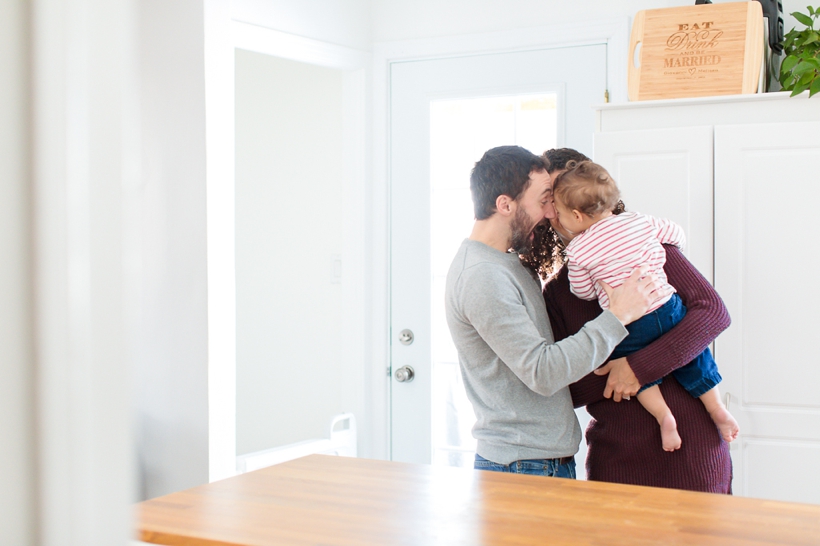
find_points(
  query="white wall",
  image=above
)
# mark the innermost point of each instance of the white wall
(402, 20)
(340, 22)
(291, 375)
(172, 339)
(16, 362)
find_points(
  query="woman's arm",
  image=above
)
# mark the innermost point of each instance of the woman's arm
(706, 317)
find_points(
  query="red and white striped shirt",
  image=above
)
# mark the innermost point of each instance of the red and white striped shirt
(612, 248)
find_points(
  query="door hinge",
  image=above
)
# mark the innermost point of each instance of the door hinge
(606, 95)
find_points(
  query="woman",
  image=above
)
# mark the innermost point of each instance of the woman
(623, 439)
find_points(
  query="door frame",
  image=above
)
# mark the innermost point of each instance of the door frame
(614, 33)
(223, 37)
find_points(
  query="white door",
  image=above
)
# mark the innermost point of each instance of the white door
(766, 263)
(445, 114)
(667, 173)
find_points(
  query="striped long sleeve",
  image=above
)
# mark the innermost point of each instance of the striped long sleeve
(669, 233)
(611, 249)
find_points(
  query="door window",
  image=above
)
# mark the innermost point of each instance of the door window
(461, 130)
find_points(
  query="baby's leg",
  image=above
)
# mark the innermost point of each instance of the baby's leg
(652, 400)
(720, 415)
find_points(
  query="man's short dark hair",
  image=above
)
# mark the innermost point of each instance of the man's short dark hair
(504, 170)
(557, 158)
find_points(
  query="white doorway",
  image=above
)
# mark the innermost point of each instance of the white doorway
(444, 114)
(299, 252)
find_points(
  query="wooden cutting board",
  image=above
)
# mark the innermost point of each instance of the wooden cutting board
(696, 51)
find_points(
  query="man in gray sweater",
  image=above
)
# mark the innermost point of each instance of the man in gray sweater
(515, 375)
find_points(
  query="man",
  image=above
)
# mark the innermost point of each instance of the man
(516, 377)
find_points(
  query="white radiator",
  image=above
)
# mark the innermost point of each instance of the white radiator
(342, 442)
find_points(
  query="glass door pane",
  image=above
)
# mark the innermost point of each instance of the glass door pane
(461, 130)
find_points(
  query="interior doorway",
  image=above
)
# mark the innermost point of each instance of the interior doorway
(297, 247)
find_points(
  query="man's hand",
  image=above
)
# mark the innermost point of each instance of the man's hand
(622, 382)
(632, 299)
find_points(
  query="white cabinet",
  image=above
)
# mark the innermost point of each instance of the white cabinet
(667, 173)
(742, 175)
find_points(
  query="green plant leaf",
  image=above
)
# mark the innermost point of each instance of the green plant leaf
(788, 63)
(806, 55)
(785, 82)
(806, 66)
(811, 38)
(805, 19)
(800, 88)
(789, 39)
(801, 69)
(815, 87)
(814, 61)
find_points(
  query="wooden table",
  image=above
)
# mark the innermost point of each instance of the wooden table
(324, 500)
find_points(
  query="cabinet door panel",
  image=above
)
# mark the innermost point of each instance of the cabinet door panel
(667, 173)
(771, 464)
(766, 263)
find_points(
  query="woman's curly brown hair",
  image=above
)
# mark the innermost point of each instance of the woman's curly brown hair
(547, 252)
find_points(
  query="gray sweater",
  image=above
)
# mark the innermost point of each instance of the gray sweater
(515, 375)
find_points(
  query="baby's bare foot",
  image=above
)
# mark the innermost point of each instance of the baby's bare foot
(726, 423)
(669, 433)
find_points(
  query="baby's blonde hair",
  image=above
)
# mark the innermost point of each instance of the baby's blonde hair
(586, 187)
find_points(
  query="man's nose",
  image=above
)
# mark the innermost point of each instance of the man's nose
(549, 209)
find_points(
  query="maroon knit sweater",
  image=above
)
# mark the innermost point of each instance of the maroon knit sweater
(624, 439)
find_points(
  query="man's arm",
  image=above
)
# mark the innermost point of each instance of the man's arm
(632, 299)
(493, 305)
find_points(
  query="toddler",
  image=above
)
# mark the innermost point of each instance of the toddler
(607, 247)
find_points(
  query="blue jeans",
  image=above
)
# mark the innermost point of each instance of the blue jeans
(698, 376)
(535, 467)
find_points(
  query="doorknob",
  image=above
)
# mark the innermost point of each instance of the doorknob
(405, 374)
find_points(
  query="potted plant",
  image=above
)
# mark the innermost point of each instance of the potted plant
(800, 70)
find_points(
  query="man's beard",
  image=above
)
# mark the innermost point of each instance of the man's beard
(521, 228)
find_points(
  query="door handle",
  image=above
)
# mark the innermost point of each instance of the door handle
(405, 374)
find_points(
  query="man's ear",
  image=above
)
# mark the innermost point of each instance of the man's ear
(504, 204)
